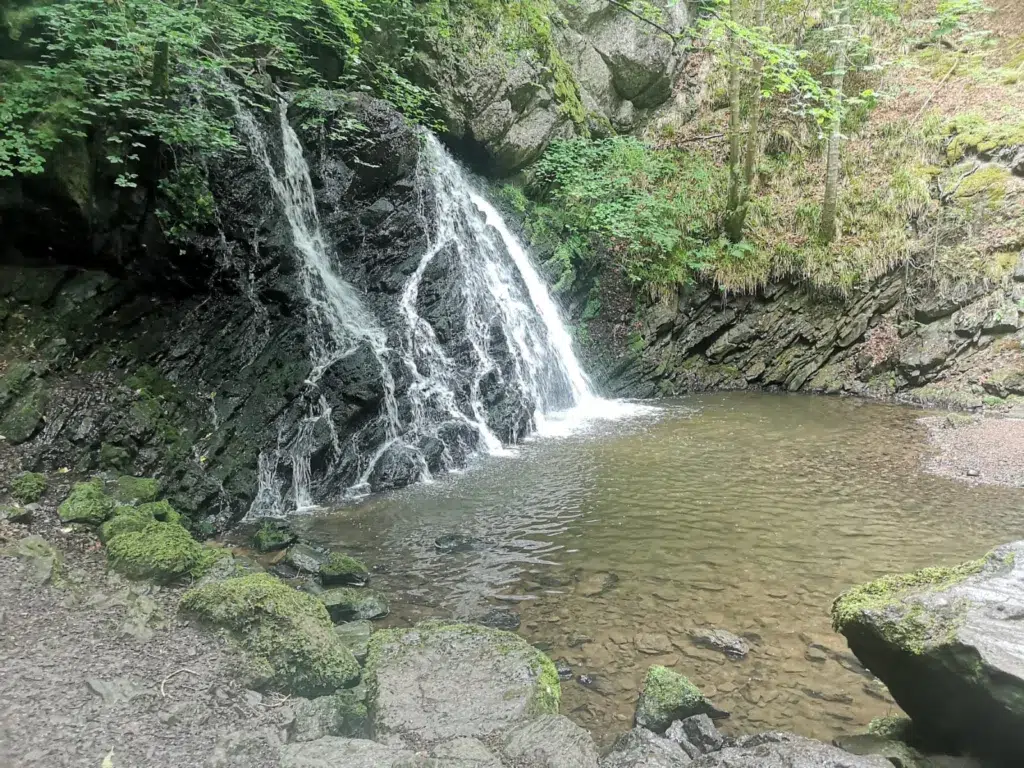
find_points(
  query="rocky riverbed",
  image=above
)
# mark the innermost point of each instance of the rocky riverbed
(174, 653)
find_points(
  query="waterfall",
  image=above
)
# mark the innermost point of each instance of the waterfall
(499, 282)
(514, 351)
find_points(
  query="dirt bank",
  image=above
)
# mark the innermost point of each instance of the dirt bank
(99, 666)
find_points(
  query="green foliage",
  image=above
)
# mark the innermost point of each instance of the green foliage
(153, 72)
(28, 487)
(652, 210)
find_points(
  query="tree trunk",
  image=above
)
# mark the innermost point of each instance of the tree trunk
(753, 128)
(835, 139)
(734, 223)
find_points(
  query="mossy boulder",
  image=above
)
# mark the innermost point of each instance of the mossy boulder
(130, 519)
(272, 535)
(947, 643)
(161, 552)
(25, 416)
(16, 514)
(28, 487)
(439, 681)
(87, 503)
(287, 635)
(352, 604)
(128, 489)
(44, 560)
(669, 696)
(342, 569)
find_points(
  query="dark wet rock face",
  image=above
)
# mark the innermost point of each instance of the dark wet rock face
(188, 361)
(948, 644)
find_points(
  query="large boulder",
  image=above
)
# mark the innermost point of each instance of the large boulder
(287, 635)
(441, 681)
(949, 644)
(785, 750)
(550, 741)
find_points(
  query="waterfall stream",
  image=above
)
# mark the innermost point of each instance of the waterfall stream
(514, 346)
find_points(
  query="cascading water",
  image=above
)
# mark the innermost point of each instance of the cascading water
(499, 283)
(513, 347)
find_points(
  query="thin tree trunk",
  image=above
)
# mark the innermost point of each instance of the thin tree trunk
(753, 127)
(734, 227)
(835, 139)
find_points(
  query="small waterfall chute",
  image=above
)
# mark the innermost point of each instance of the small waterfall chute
(514, 351)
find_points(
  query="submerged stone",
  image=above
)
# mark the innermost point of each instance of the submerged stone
(733, 646)
(441, 681)
(352, 604)
(287, 634)
(669, 696)
(342, 569)
(87, 503)
(948, 644)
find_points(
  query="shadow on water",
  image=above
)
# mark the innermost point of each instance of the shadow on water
(742, 512)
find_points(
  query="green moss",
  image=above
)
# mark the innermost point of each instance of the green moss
(287, 635)
(162, 552)
(162, 511)
(892, 727)
(24, 418)
(272, 536)
(128, 489)
(87, 503)
(972, 134)
(342, 569)
(910, 625)
(128, 519)
(28, 487)
(125, 520)
(113, 456)
(548, 693)
(986, 185)
(668, 696)
(351, 604)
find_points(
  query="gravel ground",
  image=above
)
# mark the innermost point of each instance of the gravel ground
(978, 449)
(99, 667)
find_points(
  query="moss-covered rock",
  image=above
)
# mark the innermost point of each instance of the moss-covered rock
(940, 639)
(128, 489)
(28, 487)
(669, 696)
(306, 558)
(25, 416)
(16, 514)
(442, 680)
(272, 535)
(352, 604)
(87, 503)
(161, 510)
(43, 559)
(286, 635)
(342, 569)
(163, 552)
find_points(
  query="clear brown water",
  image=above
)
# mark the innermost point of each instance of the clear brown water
(743, 512)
